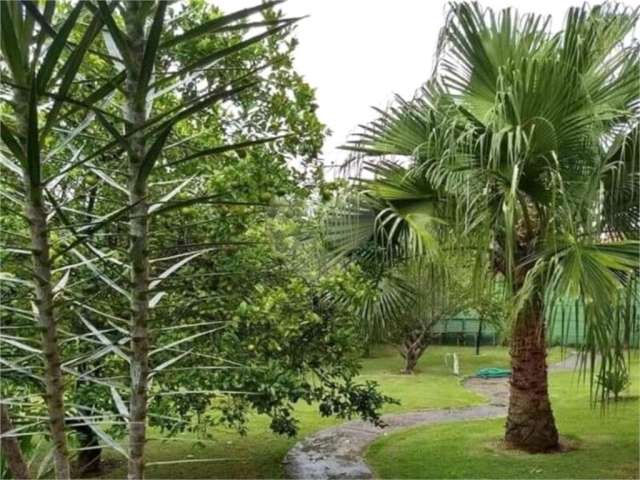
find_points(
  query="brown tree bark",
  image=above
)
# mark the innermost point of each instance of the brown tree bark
(10, 448)
(413, 348)
(36, 213)
(530, 422)
(411, 358)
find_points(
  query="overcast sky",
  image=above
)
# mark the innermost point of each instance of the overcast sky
(358, 53)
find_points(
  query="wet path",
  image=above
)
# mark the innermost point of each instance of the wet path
(337, 452)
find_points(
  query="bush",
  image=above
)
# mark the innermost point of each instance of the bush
(614, 382)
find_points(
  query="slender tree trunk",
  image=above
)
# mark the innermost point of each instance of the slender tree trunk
(41, 260)
(138, 254)
(478, 337)
(10, 448)
(530, 422)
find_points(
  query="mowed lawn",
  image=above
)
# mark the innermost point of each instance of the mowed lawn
(605, 444)
(259, 454)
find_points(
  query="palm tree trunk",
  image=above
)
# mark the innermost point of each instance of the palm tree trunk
(10, 448)
(530, 422)
(138, 254)
(41, 260)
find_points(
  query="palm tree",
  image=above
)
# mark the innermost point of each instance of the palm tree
(524, 145)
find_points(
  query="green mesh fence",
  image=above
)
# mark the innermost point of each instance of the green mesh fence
(565, 325)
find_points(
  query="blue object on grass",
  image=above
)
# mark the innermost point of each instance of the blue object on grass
(493, 373)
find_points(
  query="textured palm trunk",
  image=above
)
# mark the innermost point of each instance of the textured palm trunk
(10, 448)
(530, 422)
(37, 216)
(136, 115)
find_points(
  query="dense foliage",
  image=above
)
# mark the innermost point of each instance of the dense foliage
(169, 179)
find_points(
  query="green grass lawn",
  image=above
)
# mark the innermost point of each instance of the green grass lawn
(259, 454)
(606, 445)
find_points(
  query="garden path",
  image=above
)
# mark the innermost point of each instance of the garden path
(337, 452)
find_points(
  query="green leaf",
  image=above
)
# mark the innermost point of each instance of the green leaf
(211, 26)
(217, 95)
(120, 39)
(225, 148)
(113, 131)
(8, 164)
(207, 60)
(152, 154)
(11, 48)
(49, 9)
(209, 199)
(88, 230)
(71, 69)
(196, 105)
(9, 139)
(34, 12)
(150, 50)
(57, 46)
(100, 93)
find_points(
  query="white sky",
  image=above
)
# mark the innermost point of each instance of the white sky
(358, 53)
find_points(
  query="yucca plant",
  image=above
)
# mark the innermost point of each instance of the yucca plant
(49, 107)
(34, 73)
(525, 145)
(138, 35)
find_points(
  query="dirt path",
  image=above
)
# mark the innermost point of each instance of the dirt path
(337, 452)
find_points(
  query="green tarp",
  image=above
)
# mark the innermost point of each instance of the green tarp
(493, 373)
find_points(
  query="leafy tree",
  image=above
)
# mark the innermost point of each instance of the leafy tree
(525, 145)
(211, 198)
(403, 303)
(439, 293)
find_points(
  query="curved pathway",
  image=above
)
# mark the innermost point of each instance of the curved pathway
(337, 452)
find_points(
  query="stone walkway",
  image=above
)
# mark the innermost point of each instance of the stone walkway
(337, 452)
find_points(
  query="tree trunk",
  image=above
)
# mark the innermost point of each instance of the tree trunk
(530, 423)
(414, 346)
(138, 254)
(89, 461)
(10, 448)
(411, 357)
(41, 261)
(479, 337)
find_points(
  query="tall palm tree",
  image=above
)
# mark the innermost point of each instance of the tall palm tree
(525, 145)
